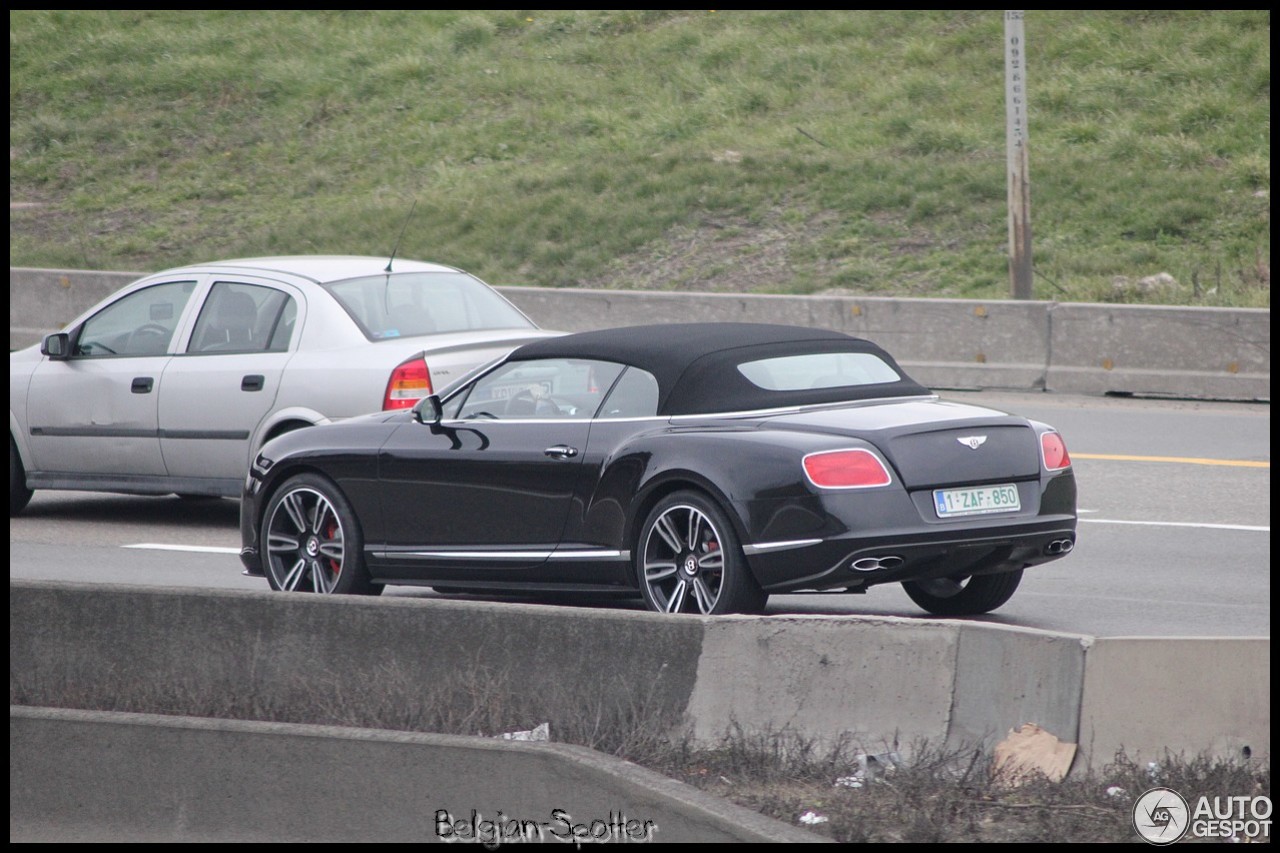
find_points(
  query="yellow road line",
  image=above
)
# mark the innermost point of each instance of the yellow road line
(1185, 460)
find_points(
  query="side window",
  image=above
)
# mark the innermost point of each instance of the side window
(539, 389)
(244, 318)
(141, 323)
(635, 396)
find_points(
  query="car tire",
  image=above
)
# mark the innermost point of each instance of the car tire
(19, 494)
(688, 560)
(311, 540)
(966, 596)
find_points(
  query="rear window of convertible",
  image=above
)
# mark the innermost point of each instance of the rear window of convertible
(818, 370)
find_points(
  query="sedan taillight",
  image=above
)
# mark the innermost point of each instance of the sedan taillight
(1055, 453)
(846, 469)
(409, 383)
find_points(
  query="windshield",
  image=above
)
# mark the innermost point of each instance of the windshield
(424, 303)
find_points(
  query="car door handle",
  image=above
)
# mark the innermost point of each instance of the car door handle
(142, 384)
(252, 382)
(561, 451)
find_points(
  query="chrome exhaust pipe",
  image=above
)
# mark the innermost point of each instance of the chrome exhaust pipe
(875, 564)
(1059, 546)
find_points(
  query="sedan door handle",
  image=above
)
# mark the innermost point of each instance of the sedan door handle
(561, 451)
(252, 382)
(142, 384)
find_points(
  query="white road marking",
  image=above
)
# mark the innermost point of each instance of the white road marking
(197, 549)
(1250, 527)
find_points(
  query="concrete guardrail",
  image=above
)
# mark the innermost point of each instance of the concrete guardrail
(882, 681)
(112, 777)
(1210, 353)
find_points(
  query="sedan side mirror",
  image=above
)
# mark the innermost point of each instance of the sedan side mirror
(57, 346)
(429, 411)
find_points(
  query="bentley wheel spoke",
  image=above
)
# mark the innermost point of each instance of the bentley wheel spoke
(318, 513)
(295, 574)
(321, 577)
(695, 527)
(278, 542)
(705, 599)
(332, 549)
(712, 561)
(666, 528)
(659, 570)
(676, 602)
(292, 505)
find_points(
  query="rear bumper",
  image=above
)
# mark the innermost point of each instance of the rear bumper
(859, 562)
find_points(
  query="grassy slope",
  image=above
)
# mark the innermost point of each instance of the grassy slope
(651, 149)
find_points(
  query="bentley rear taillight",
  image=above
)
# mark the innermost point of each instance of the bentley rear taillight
(1054, 450)
(409, 383)
(846, 469)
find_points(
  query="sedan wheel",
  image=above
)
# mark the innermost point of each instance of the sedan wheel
(312, 540)
(963, 596)
(689, 560)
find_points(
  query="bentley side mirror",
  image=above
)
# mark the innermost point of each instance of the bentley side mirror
(57, 346)
(428, 410)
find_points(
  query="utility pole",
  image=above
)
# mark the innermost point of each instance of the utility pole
(1015, 92)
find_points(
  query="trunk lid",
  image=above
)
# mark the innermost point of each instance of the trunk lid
(932, 443)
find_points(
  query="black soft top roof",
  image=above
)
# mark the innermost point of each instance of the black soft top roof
(696, 363)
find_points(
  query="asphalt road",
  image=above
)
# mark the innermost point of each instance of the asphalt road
(1174, 540)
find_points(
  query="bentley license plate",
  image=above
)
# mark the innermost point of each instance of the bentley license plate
(952, 502)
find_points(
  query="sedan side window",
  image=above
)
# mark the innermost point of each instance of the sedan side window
(540, 389)
(244, 318)
(141, 323)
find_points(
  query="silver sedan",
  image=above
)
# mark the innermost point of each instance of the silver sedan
(173, 383)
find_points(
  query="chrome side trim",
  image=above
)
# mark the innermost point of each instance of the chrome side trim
(762, 547)
(623, 556)
(467, 555)
(508, 555)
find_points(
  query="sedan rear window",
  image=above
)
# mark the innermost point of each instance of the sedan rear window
(405, 304)
(818, 370)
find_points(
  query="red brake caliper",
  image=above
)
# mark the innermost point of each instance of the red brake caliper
(334, 565)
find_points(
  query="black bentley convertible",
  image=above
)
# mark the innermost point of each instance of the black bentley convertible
(702, 467)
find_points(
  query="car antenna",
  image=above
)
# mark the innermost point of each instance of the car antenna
(403, 227)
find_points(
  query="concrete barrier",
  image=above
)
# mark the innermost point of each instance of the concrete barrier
(1011, 676)
(1213, 353)
(42, 301)
(1156, 695)
(78, 776)
(384, 663)
(952, 343)
(875, 681)
(1185, 352)
(430, 664)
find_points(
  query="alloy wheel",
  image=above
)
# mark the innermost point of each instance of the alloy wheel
(305, 543)
(684, 561)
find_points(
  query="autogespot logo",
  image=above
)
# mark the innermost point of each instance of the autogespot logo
(1161, 816)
